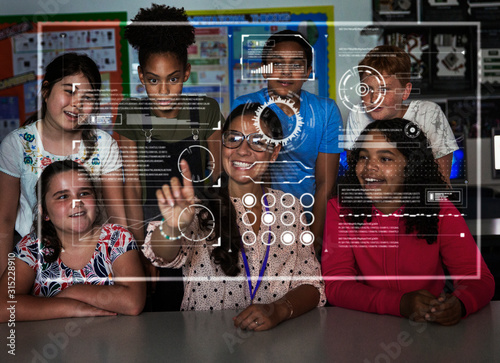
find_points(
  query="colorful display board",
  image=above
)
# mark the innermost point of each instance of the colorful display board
(232, 71)
(28, 47)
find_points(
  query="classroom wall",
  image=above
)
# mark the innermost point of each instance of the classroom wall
(479, 157)
(355, 11)
(345, 11)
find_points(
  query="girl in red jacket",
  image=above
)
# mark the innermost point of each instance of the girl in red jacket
(389, 238)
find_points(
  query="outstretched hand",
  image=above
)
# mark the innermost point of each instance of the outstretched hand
(174, 200)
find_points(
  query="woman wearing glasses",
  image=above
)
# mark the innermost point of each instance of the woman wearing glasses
(241, 246)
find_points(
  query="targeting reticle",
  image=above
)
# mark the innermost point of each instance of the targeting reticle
(351, 89)
(412, 130)
(210, 224)
(190, 150)
(299, 121)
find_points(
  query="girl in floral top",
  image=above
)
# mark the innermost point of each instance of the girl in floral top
(249, 247)
(70, 265)
(61, 130)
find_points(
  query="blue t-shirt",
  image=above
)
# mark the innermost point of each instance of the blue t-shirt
(322, 125)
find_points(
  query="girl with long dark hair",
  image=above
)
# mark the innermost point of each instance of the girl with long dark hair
(248, 247)
(389, 235)
(62, 129)
(71, 264)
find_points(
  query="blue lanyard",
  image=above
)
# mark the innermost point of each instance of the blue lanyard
(253, 292)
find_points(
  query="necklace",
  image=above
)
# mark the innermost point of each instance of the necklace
(253, 291)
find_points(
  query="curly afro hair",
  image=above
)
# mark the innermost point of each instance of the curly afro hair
(421, 172)
(163, 35)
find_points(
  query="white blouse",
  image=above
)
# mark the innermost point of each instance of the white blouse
(290, 264)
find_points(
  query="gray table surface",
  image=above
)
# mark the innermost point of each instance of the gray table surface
(322, 335)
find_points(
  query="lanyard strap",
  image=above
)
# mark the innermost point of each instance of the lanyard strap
(253, 291)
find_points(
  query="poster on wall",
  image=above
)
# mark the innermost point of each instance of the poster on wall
(222, 57)
(395, 10)
(448, 10)
(9, 115)
(28, 47)
(98, 44)
(454, 59)
(216, 58)
(208, 58)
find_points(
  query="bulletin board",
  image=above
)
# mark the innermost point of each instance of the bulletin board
(316, 22)
(27, 47)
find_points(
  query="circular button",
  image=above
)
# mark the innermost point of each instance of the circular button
(307, 238)
(268, 218)
(268, 238)
(287, 238)
(307, 197)
(248, 238)
(287, 218)
(249, 200)
(290, 202)
(247, 215)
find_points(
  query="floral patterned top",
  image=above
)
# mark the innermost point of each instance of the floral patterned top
(52, 278)
(291, 261)
(23, 156)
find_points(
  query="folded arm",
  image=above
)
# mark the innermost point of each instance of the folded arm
(15, 287)
(127, 296)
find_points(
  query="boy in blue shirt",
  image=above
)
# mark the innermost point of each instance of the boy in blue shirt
(309, 159)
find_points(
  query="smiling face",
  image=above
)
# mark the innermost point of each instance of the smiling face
(384, 99)
(163, 75)
(242, 163)
(69, 103)
(380, 171)
(70, 204)
(290, 70)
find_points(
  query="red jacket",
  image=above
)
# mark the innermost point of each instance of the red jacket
(371, 268)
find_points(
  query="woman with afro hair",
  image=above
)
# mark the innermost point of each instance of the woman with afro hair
(158, 131)
(389, 237)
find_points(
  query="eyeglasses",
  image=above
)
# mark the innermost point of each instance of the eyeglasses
(233, 139)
